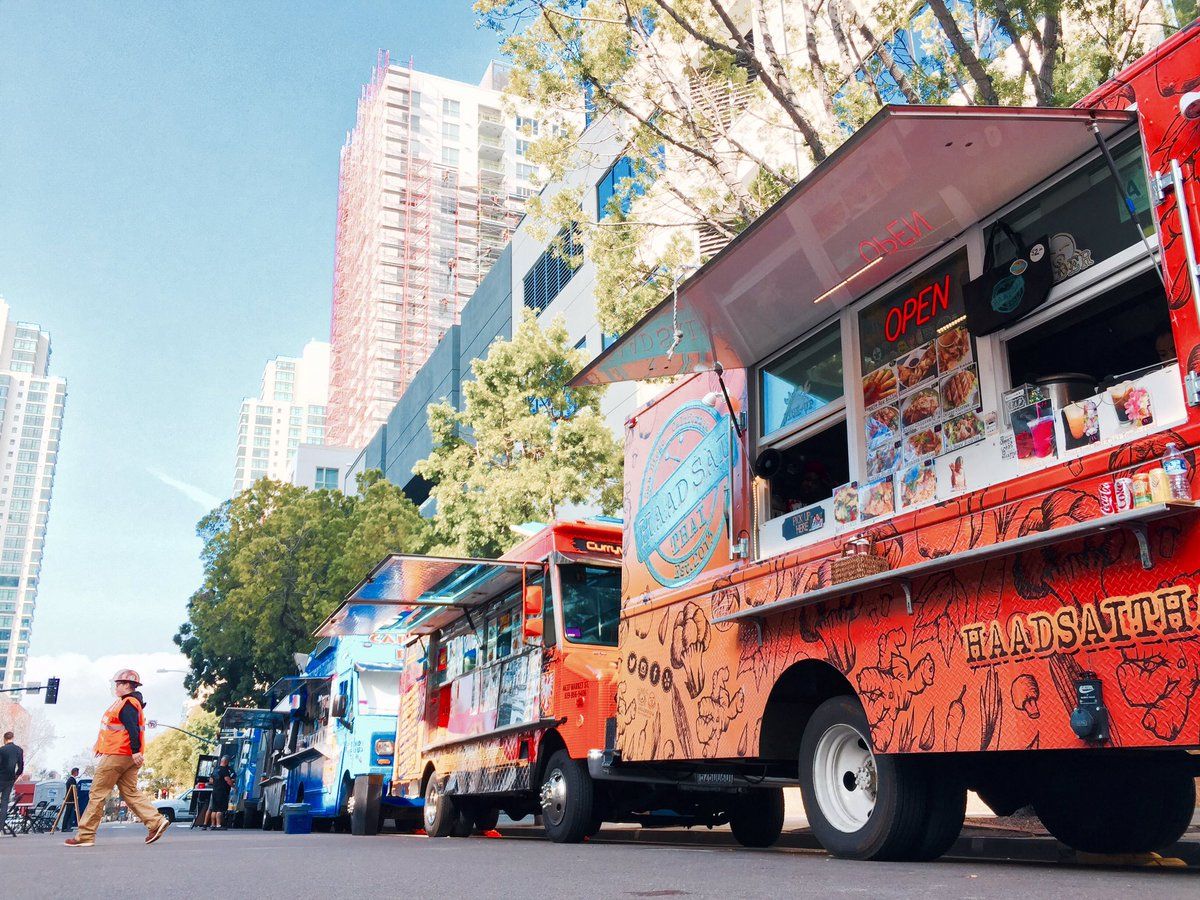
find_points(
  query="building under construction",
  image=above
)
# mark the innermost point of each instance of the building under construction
(433, 178)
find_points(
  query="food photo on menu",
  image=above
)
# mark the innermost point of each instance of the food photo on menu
(918, 484)
(960, 390)
(920, 406)
(953, 349)
(922, 444)
(961, 430)
(877, 498)
(880, 385)
(917, 367)
(1081, 424)
(845, 503)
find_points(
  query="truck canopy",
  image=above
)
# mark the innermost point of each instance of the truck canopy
(928, 172)
(236, 718)
(417, 595)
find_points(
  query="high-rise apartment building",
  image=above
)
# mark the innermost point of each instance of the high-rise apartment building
(288, 411)
(433, 178)
(31, 414)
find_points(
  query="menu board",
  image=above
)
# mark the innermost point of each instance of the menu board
(920, 383)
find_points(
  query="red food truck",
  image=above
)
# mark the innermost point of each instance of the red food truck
(914, 515)
(509, 679)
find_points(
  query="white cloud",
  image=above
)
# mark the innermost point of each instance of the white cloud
(191, 491)
(86, 691)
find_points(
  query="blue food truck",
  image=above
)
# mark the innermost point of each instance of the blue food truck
(247, 737)
(334, 752)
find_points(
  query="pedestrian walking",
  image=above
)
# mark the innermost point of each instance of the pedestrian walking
(222, 784)
(71, 802)
(12, 764)
(119, 746)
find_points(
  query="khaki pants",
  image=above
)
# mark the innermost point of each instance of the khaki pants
(118, 771)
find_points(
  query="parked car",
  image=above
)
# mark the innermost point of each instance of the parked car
(176, 809)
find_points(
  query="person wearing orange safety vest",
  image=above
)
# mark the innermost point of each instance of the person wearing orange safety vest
(119, 746)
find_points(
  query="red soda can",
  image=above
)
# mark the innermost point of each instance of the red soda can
(1108, 499)
(1124, 494)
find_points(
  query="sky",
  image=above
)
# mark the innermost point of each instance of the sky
(168, 190)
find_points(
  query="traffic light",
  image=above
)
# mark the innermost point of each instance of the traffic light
(52, 690)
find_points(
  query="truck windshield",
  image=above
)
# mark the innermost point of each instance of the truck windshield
(591, 603)
(379, 693)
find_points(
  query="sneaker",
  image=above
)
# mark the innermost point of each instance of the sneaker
(154, 835)
(76, 842)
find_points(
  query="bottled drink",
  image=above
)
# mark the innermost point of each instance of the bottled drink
(1176, 469)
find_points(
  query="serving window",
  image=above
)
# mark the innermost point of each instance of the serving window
(801, 382)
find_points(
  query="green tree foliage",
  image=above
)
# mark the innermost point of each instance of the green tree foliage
(171, 756)
(277, 560)
(722, 105)
(523, 446)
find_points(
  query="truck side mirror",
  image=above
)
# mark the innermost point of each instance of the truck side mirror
(534, 602)
(339, 706)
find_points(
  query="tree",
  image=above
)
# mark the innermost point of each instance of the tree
(523, 446)
(171, 757)
(722, 105)
(277, 560)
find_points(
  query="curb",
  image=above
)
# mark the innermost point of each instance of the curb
(975, 843)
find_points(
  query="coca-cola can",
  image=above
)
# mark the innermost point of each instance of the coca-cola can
(1124, 494)
(1108, 499)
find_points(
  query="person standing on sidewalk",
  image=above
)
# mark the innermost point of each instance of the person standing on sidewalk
(12, 764)
(119, 746)
(71, 802)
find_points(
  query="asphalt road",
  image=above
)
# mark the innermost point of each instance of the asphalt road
(254, 864)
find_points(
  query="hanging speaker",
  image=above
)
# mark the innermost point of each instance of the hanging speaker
(768, 463)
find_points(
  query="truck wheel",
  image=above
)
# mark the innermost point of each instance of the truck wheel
(1133, 805)
(441, 811)
(756, 817)
(863, 806)
(168, 814)
(364, 810)
(566, 796)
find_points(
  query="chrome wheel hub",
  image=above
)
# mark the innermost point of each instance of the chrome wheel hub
(554, 797)
(845, 778)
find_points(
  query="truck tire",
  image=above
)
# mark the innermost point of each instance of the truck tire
(567, 796)
(1134, 803)
(756, 817)
(365, 808)
(863, 806)
(168, 813)
(443, 815)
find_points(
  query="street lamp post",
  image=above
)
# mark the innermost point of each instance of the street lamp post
(156, 724)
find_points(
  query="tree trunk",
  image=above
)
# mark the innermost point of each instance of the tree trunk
(1050, 35)
(888, 60)
(773, 74)
(985, 89)
(814, 60)
(1005, 19)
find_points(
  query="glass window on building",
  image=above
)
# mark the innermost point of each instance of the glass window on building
(450, 131)
(327, 479)
(450, 107)
(450, 156)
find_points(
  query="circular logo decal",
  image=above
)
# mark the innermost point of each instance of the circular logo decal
(1036, 252)
(682, 496)
(1018, 266)
(1007, 294)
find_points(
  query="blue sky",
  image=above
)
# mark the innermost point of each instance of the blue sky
(168, 186)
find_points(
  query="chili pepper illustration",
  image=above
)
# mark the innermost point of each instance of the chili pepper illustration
(689, 640)
(682, 729)
(991, 710)
(955, 716)
(928, 733)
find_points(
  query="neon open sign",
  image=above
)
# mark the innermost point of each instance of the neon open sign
(900, 232)
(919, 308)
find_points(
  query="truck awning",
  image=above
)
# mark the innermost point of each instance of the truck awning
(419, 594)
(237, 717)
(908, 181)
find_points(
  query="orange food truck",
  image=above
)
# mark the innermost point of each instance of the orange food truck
(914, 515)
(509, 677)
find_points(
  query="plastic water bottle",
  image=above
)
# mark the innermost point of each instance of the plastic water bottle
(1176, 468)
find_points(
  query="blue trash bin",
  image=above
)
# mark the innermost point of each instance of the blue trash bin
(297, 818)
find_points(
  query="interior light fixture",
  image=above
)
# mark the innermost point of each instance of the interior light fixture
(849, 278)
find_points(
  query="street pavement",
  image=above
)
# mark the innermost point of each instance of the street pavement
(192, 863)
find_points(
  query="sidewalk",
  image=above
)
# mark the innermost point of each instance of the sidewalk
(983, 837)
